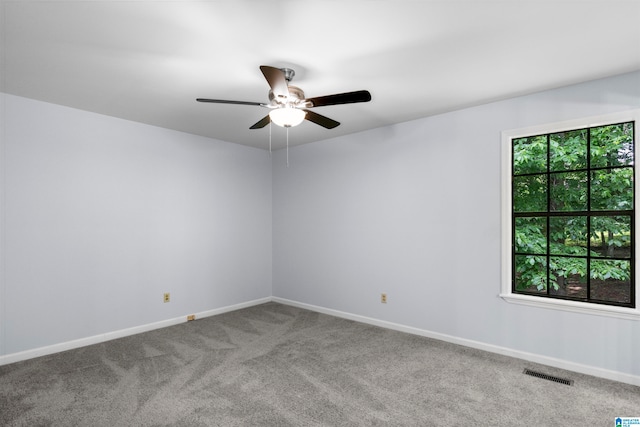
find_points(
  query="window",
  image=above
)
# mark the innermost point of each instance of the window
(569, 215)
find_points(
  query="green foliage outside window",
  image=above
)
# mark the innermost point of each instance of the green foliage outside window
(573, 214)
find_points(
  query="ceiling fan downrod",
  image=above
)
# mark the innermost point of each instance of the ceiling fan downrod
(288, 74)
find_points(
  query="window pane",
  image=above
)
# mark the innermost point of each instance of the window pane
(612, 145)
(531, 273)
(611, 280)
(568, 150)
(530, 193)
(530, 155)
(612, 189)
(568, 235)
(611, 236)
(567, 277)
(531, 235)
(568, 192)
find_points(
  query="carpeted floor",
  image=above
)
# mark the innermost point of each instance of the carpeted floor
(276, 365)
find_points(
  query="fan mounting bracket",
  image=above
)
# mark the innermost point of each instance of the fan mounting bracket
(288, 74)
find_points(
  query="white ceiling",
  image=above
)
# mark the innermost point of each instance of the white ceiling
(148, 61)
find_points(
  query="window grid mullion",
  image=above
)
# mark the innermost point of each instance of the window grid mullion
(589, 175)
(548, 233)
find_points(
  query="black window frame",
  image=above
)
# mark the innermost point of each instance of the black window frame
(588, 213)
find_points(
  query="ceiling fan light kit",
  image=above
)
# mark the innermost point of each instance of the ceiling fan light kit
(288, 104)
(287, 116)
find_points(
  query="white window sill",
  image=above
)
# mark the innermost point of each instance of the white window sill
(573, 306)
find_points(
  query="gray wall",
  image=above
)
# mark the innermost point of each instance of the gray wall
(101, 216)
(413, 210)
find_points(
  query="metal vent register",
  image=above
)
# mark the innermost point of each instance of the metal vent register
(548, 377)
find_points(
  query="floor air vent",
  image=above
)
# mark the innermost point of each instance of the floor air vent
(548, 377)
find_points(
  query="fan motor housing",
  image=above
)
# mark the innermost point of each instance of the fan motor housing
(295, 94)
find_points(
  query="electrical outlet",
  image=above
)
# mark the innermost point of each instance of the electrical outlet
(167, 297)
(191, 317)
(383, 298)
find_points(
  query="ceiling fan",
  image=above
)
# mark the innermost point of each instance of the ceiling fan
(288, 105)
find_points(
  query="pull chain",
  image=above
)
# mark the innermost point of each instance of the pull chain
(287, 146)
(269, 138)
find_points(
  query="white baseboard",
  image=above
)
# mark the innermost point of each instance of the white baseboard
(234, 307)
(531, 357)
(96, 339)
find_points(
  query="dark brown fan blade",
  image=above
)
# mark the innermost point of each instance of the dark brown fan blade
(275, 78)
(321, 120)
(341, 98)
(224, 101)
(262, 123)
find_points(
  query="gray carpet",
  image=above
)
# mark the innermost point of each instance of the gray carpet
(276, 365)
